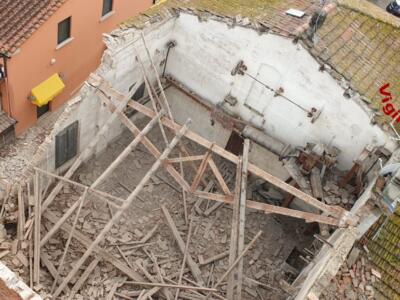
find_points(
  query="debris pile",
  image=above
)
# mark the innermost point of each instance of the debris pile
(355, 280)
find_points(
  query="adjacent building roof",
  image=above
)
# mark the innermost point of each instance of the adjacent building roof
(361, 42)
(358, 40)
(19, 19)
(267, 13)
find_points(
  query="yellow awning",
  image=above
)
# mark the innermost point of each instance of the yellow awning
(47, 90)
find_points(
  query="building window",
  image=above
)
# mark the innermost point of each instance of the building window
(64, 30)
(107, 7)
(40, 111)
(67, 144)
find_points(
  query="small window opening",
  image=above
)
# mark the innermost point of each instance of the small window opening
(64, 30)
(107, 7)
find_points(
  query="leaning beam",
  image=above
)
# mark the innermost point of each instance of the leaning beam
(120, 212)
(84, 154)
(104, 175)
(335, 211)
(272, 209)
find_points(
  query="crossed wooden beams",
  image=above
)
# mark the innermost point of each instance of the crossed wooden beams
(116, 102)
(333, 215)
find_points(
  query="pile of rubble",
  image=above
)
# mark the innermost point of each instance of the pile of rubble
(152, 239)
(355, 280)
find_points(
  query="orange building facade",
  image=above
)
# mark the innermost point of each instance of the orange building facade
(69, 43)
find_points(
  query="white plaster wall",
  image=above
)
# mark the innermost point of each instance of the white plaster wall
(121, 69)
(201, 120)
(203, 60)
(208, 51)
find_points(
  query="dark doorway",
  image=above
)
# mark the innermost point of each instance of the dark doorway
(40, 111)
(235, 144)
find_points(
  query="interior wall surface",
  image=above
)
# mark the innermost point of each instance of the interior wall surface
(207, 52)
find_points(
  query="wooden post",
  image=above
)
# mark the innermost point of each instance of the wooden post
(242, 214)
(21, 214)
(233, 249)
(37, 209)
(121, 211)
(200, 172)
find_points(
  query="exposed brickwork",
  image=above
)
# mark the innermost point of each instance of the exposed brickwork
(19, 19)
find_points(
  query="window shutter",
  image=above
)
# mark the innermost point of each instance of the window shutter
(61, 148)
(67, 144)
(72, 143)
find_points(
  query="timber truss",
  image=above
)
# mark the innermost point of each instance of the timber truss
(161, 116)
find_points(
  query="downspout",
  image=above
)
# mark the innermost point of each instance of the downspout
(5, 58)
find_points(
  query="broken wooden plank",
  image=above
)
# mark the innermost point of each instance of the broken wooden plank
(102, 195)
(219, 177)
(203, 262)
(149, 235)
(194, 268)
(173, 286)
(232, 266)
(77, 286)
(316, 184)
(122, 210)
(150, 278)
(200, 172)
(185, 158)
(45, 260)
(99, 251)
(71, 233)
(113, 290)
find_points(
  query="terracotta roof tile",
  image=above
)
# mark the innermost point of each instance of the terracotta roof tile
(362, 45)
(270, 13)
(19, 19)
